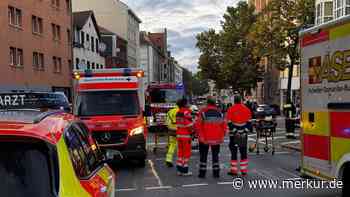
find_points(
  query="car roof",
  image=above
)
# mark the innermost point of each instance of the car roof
(48, 126)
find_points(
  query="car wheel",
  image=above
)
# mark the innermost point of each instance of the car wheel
(346, 181)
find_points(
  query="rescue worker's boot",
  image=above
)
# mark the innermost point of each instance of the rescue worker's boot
(202, 170)
(244, 167)
(216, 170)
(234, 169)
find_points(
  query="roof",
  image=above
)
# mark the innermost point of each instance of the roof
(48, 126)
(80, 19)
(105, 31)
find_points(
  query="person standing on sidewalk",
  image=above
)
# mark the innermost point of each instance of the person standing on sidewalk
(211, 128)
(238, 117)
(171, 123)
(184, 124)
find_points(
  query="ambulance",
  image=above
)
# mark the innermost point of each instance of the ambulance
(325, 87)
(109, 102)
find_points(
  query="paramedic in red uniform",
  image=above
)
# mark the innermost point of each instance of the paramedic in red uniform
(211, 128)
(184, 126)
(238, 117)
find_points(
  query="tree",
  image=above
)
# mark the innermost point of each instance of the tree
(226, 56)
(276, 33)
(187, 80)
(200, 86)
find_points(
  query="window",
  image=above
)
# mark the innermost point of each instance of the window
(69, 36)
(16, 56)
(31, 164)
(88, 40)
(97, 43)
(82, 38)
(88, 65)
(13, 60)
(57, 64)
(93, 66)
(37, 25)
(38, 61)
(56, 32)
(68, 7)
(20, 57)
(77, 61)
(92, 44)
(15, 16)
(55, 3)
(85, 158)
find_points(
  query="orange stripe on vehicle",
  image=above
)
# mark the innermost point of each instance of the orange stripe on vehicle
(317, 146)
(340, 32)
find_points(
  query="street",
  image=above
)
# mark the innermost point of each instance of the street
(158, 180)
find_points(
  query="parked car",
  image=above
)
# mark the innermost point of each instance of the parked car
(48, 153)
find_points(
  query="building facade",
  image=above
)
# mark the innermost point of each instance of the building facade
(151, 59)
(178, 73)
(118, 18)
(116, 49)
(36, 50)
(324, 11)
(87, 42)
(341, 8)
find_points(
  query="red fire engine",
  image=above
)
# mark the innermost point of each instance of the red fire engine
(109, 102)
(161, 98)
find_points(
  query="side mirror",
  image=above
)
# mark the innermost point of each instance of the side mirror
(113, 155)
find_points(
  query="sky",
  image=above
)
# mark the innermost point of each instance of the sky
(184, 19)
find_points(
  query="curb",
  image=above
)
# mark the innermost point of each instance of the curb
(295, 148)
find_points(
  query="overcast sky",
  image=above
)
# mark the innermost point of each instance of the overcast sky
(183, 19)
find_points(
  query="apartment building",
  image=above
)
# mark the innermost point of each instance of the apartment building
(87, 42)
(118, 18)
(36, 50)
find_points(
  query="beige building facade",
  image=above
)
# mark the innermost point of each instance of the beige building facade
(118, 18)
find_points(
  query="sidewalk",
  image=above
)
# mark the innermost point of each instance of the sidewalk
(293, 145)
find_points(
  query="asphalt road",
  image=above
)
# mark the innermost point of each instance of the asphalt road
(157, 180)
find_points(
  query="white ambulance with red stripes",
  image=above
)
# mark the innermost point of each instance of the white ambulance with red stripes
(110, 103)
(325, 89)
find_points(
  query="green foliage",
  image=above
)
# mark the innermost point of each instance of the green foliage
(200, 86)
(226, 56)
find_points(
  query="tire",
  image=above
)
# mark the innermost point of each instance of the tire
(346, 181)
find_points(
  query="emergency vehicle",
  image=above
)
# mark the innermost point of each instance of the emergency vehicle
(161, 97)
(325, 86)
(109, 102)
(47, 152)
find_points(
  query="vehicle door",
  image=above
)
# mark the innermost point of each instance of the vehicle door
(95, 176)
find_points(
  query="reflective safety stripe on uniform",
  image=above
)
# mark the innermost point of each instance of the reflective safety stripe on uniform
(234, 168)
(202, 166)
(244, 166)
(216, 166)
(184, 136)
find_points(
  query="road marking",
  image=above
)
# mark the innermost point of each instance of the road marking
(225, 183)
(160, 184)
(291, 142)
(196, 185)
(126, 190)
(158, 187)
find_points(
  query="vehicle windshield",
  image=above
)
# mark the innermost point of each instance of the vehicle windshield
(165, 95)
(28, 169)
(101, 103)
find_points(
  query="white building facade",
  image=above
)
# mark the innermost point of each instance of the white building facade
(178, 73)
(87, 42)
(341, 8)
(117, 17)
(324, 11)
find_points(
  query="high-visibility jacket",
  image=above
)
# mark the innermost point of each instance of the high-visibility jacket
(171, 118)
(184, 123)
(210, 125)
(239, 114)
